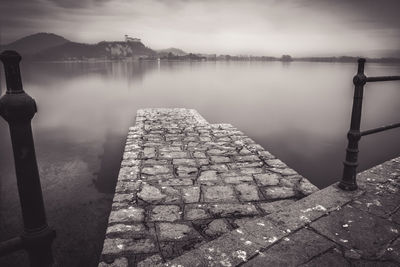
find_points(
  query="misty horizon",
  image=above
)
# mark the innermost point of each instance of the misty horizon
(299, 28)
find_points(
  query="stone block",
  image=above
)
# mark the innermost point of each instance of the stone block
(276, 206)
(149, 152)
(196, 212)
(232, 210)
(277, 192)
(284, 171)
(156, 169)
(238, 179)
(168, 213)
(208, 177)
(188, 162)
(186, 171)
(220, 159)
(240, 165)
(247, 158)
(218, 194)
(247, 171)
(119, 245)
(353, 228)
(126, 230)
(247, 192)
(268, 178)
(216, 228)
(306, 188)
(131, 214)
(150, 261)
(173, 155)
(175, 232)
(330, 258)
(199, 155)
(191, 194)
(119, 197)
(294, 250)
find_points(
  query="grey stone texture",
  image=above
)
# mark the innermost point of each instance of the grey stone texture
(330, 227)
(183, 182)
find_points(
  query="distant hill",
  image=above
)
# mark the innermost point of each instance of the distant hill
(174, 51)
(108, 50)
(35, 43)
(49, 46)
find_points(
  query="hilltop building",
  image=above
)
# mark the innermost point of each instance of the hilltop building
(131, 40)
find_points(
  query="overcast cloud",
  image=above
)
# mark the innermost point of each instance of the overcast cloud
(260, 27)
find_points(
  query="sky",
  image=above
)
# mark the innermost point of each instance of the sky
(236, 27)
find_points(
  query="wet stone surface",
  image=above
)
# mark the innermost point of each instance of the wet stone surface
(184, 181)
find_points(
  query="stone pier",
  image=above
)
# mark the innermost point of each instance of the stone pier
(184, 182)
(190, 193)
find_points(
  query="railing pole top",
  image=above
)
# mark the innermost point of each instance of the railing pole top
(11, 60)
(10, 56)
(361, 63)
(360, 79)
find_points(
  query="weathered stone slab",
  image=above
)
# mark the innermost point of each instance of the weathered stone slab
(217, 228)
(168, 213)
(173, 155)
(232, 210)
(247, 192)
(275, 206)
(268, 178)
(298, 248)
(277, 192)
(156, 169)
(191, 194)
(176, 232)
(331, 258)
(127, 230)
(238, 179)
(218, 194)
(186, 171)
(196, 212)
(348, 226)
(118, 245)
(151, 194)
(131, 214)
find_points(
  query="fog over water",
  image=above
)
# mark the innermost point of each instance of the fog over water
(298, 111)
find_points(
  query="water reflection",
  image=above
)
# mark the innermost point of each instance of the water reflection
(112, 154)
(298, 111)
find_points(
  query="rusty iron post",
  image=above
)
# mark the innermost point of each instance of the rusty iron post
(348, 181)
(18, 109)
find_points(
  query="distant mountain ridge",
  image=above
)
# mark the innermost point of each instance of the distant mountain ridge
(52, 47)
(35, 43)
(48, 46)
(172, 50)
(102, 50)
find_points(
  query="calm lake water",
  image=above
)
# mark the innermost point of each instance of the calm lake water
(298, 111)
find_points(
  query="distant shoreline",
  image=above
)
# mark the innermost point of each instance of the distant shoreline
(234, 59)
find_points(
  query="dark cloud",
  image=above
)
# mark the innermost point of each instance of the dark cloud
(373, 13)
(77, 4)
(253, 26)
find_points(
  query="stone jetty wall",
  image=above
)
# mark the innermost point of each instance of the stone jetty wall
(184, 182)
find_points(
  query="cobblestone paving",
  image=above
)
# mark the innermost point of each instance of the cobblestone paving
(331, 227)
(184, 182)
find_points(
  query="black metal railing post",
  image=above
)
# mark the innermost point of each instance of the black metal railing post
(348, 181)
(18, 109)
(354, 135)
